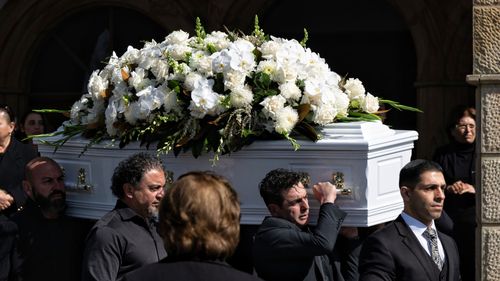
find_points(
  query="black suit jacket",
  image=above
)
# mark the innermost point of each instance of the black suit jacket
(394, 253)
(283, 251)
(12, 165)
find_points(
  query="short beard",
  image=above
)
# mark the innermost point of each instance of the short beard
(47, 204)
(153, 213)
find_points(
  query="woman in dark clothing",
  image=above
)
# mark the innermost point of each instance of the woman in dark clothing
(13, 157)
(200, 226)
(458, 162)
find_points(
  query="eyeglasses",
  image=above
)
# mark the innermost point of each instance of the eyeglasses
(465, 126)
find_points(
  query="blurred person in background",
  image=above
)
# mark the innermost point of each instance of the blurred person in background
(458, 161)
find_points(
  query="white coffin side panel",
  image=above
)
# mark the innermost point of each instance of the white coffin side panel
(369, 154)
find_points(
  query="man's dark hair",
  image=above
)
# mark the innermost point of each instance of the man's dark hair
(131, 171)
(409, 176)
(277, 181)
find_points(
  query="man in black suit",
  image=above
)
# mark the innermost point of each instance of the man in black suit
(285, 248)
(408, 248)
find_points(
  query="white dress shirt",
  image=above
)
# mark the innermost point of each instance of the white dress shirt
(418, 229)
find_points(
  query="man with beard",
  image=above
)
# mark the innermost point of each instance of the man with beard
(285, 247)
(50, 244)
(126, 238)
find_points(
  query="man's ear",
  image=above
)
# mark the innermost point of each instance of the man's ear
(28, 189)
(128, 190)
(274, 209)
(405, 193)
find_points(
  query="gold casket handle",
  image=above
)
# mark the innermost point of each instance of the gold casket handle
(338, 181)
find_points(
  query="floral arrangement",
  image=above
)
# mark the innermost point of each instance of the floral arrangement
(217, 92)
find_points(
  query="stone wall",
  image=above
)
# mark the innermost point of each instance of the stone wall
(486, 77)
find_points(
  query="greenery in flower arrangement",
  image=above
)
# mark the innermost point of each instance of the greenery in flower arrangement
(216, 92)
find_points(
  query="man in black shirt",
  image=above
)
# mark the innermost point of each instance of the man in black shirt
(50, 244)
(126, 238)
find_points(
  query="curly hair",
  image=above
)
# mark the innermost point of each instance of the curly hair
(199, 217)
(276, 181)
(131, 171)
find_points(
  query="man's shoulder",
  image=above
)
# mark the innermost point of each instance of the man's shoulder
(276, 222)
(388, 231)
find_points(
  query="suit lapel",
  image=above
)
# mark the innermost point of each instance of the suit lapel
(414, 246)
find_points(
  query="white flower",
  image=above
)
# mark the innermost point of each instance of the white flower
(138, 79)
(241, 96)
(131, 56)
(179, 51)
(177, 37)
(198, 79)
(289, 90)
(193, 79)
(370, 103)
(97, 85)
(341, 103)
(268, 67)
(271, 105)
(111, 115)
(218, 39)
(286, 118)
(269, 49)
(233, 80)
(324, 114)
(204, 100)
(354, 88)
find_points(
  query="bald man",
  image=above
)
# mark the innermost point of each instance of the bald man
(50, 243)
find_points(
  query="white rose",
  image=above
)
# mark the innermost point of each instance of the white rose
(370, 103)
(354, 88)
(286, 118)
(341, 103)
(177, 37)
(324, 114)
(193, 79)
(218, 39)
(269, 49)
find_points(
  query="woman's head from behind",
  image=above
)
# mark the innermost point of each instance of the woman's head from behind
(463, 124)
(199, 217)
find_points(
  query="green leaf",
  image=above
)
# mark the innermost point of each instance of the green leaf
(399, 106)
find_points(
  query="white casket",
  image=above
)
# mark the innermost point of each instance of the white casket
(369, 155)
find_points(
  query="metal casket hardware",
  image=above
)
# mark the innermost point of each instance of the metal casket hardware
(338, 181)
(81, 181)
